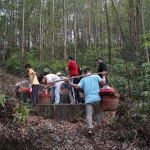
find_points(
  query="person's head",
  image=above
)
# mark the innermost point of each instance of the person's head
(42, 80)
(27, 67)
(59, 74)
(99, 59)
(87, 71)
(70, 58)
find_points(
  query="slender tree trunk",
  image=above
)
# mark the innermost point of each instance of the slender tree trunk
(108, 29)
(75, 28)
(101, 36)
(22, 43)
(130, 28)
(53, 43)
(143, 29)
(41, 29)
(29, 23)
(65, 29)
(89, 24)
(11, 28)
(4, 37)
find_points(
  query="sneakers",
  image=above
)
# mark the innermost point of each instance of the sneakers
(90, 131)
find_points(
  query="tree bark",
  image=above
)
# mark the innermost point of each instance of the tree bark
(53, 42)
(143, 29)
(65, 29)
(108, 29)
(41, 29)
(22, 43)
(75, 28)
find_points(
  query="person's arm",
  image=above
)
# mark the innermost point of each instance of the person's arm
(66, 68)
(67, 80)
(103, 81)
(33, 75)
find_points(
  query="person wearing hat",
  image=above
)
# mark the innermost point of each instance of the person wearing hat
(102, 67)
(72, 67)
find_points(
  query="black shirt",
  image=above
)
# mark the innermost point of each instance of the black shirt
(102, 67)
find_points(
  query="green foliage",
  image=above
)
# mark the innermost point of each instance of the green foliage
(21, 113)
(2, 100)
(13, 63)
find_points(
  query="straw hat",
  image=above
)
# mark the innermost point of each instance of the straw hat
(58, 74)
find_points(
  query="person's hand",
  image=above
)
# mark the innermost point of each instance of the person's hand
(104, 73)
(61, 92)
(44, 89)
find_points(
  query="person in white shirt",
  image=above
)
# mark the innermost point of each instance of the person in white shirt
(55, 87)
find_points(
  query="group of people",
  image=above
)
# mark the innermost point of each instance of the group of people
(91, 85)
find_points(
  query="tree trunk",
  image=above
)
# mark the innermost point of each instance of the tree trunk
(53, 43)
(41, 29)
(143, 29)
(101, 36)
(65, 29)
(108, 29)
(22, 43)
(89, 25)
(4, 38)
(75, 27)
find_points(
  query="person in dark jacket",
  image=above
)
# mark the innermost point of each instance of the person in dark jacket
(102, 67)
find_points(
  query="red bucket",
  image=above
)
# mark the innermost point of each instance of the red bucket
(44, 98)
(25, 90)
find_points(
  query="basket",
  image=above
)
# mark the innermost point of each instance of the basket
(109, 102)
(44, 98)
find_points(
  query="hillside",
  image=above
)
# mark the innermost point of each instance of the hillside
(39, 132)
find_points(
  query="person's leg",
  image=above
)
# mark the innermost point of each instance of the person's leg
(76, 91)
(73, 92)
(52, 94)
(89, 112)
(57, 93)
(33, 94)
(37, 93)
(71, 97)
(97, 111)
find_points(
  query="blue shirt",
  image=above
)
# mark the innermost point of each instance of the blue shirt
(90, 84)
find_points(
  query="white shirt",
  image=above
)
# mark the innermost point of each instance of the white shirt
(52, 77)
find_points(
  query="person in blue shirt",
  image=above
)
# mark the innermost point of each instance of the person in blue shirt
(90, 85)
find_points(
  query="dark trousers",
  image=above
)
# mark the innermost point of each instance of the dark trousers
(35, 93)
(75, 92)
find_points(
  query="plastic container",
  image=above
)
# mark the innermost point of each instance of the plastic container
(44, 98)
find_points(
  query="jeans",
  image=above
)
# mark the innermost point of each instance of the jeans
(55, 92)
(90, 107)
